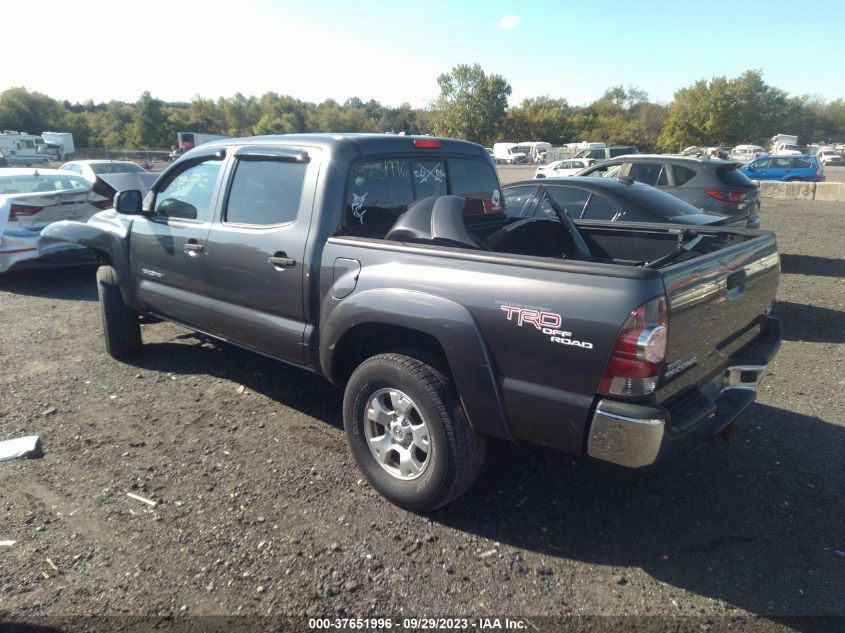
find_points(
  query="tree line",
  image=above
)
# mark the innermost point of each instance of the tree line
(472, 105)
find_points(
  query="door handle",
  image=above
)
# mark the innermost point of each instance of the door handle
(192, 248)
(281, 260)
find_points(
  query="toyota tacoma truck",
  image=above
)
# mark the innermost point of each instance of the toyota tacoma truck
(389, 265)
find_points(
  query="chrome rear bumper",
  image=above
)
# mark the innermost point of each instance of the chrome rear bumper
(633, 435)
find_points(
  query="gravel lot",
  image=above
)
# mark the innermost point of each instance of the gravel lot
(260, 510)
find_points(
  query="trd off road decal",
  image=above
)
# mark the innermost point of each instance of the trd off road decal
(549, 323)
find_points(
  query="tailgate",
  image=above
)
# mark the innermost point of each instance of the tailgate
(717, 304)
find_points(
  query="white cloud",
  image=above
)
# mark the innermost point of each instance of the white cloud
(508, 22)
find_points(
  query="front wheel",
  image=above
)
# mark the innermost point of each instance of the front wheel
(121, 325)
(408, 432)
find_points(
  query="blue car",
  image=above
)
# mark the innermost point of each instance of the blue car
(793, 167)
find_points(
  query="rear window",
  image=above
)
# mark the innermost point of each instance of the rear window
(379, 191)
(42, 183)
(116, 168)
(659, 203)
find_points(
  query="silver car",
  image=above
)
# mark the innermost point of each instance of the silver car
(30, 199)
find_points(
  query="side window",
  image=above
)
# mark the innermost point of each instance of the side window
(76, 169)
(188, 196)
(600, 209)
(265, 192)
(781, 163)
(516, 198)
(637, 215)
(653, 174)
(762, 164)
(682, 175)
(568, 199)
(800, 163)
(606, 171)
(379, 192)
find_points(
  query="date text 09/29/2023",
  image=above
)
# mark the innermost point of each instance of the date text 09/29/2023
(418, 624)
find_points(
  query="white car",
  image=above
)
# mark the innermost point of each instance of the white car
(567, 167)
(829, 157)
(89, 169)
(30, 199)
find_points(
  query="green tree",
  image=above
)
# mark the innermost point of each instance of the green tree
(539, 119)
(148, 128)
(727, 111)
(471, 104)
(30, 112)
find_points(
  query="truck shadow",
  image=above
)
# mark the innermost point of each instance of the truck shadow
(756, 523)
(803, 322)
(77, 283)
(290, 386)
(811, 265)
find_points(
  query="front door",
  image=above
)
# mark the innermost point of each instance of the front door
(168, 243)
(255, 265)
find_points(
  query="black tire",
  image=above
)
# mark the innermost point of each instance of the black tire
(121, 326)
(456, 451)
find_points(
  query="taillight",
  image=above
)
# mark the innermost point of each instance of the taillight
(727, 196)
(636, 361)
(24, 209)
(105, 203)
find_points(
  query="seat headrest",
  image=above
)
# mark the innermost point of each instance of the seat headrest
(433, 218)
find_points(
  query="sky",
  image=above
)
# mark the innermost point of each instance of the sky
(393, 51)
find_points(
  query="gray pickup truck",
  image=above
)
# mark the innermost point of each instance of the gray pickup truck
(389, 265)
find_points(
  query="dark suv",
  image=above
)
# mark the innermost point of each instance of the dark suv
(712, 185)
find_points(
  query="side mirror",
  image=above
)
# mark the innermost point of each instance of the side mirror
(128, 202)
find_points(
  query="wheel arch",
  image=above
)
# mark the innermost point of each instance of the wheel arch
(104, 234)
(383, 320)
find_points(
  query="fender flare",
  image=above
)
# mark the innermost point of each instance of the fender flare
(107, 237)
(447, 322)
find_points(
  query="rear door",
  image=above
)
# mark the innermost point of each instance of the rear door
(760, 169)
(254, 272)
(168, 243)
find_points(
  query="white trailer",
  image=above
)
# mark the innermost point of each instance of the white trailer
(535, 150)
(508, 154)
(782, 142)
(20, 148)
(58, 145)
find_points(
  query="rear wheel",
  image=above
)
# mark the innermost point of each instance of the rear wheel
(408, 433)
(121, 326)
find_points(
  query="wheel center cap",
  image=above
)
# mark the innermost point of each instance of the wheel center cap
(398, 433)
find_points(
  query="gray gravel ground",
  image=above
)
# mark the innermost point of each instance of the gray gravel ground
(260, 510)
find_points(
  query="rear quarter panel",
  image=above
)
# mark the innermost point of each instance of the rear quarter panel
(521, 311)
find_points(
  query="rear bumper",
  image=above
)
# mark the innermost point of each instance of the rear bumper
(636, 435)
(22, 248)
